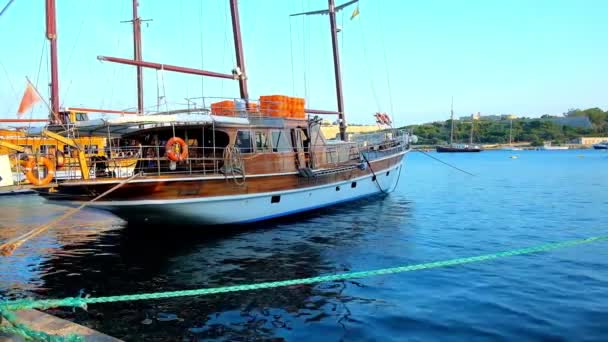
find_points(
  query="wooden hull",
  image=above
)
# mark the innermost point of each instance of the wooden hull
(216, 200)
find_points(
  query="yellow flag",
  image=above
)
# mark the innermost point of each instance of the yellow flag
(355, 13)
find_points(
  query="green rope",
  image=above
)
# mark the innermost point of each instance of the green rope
(82, 302)
(18, 329)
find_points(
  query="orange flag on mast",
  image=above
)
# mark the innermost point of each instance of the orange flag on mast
(30, 96)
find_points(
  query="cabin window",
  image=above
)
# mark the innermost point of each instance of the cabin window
(353, 184)
(261, 142)
(374, 178)
(28, 148)
(66, 149)
(316, 136)
(82, 117)
(275, 199)
(243, 141)
(91, 149)
(46, 149)
(280, 142)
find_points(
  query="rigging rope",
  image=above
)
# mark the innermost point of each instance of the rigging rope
(201, 14)
(367, 65)
(225, 46)
(305, 56)
(8, 78)
(386, 68)
(29, 125)
(293, 78)
(111, 76)
(67, 65)
(6, 7)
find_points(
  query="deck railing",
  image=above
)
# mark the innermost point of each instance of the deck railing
(152, 160)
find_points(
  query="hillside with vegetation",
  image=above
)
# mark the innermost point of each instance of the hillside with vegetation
(533, 131)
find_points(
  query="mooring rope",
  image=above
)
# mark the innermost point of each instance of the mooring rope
(17, 328)
(84, 301)
(448, 164)
(9, 247)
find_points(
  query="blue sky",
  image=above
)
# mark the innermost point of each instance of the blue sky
(528, 57)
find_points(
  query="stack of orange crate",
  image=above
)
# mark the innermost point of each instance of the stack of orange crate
(282, 106)
(223, 108)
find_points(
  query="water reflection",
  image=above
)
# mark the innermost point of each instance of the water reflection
(119, 259)
(22, 273)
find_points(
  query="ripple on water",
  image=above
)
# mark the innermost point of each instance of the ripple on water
(435, 214)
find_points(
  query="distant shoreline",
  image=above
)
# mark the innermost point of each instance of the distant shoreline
(524, 146)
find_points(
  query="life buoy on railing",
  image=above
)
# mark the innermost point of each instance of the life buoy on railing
(177, 149)
(31, 170)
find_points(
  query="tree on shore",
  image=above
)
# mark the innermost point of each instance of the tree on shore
(533, 131)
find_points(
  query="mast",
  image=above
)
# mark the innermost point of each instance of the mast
(137, 57)
(472, 124)
(51, 35)
(331, 11)
(334, 43)
(510, 131)
(238, 49)
(452, 122)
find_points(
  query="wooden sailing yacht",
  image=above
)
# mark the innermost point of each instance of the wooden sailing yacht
(452, 147)
(235, 161)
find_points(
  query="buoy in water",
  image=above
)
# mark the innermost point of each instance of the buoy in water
(513, 157)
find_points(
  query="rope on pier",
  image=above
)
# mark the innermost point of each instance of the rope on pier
(17, 329)
(10, 246)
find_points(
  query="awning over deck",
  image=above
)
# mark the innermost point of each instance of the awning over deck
(129, 124)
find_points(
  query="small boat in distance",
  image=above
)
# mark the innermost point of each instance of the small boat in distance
(601, 146)
(511, 147)
(453, 148)
(458, 148)
(548, 147)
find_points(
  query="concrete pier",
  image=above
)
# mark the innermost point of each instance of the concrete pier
(40, 321)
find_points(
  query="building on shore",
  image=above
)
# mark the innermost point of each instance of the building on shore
(589, 140)
(331, 131)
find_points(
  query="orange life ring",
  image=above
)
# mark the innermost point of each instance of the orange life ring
(31, 170)
(177, 149)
